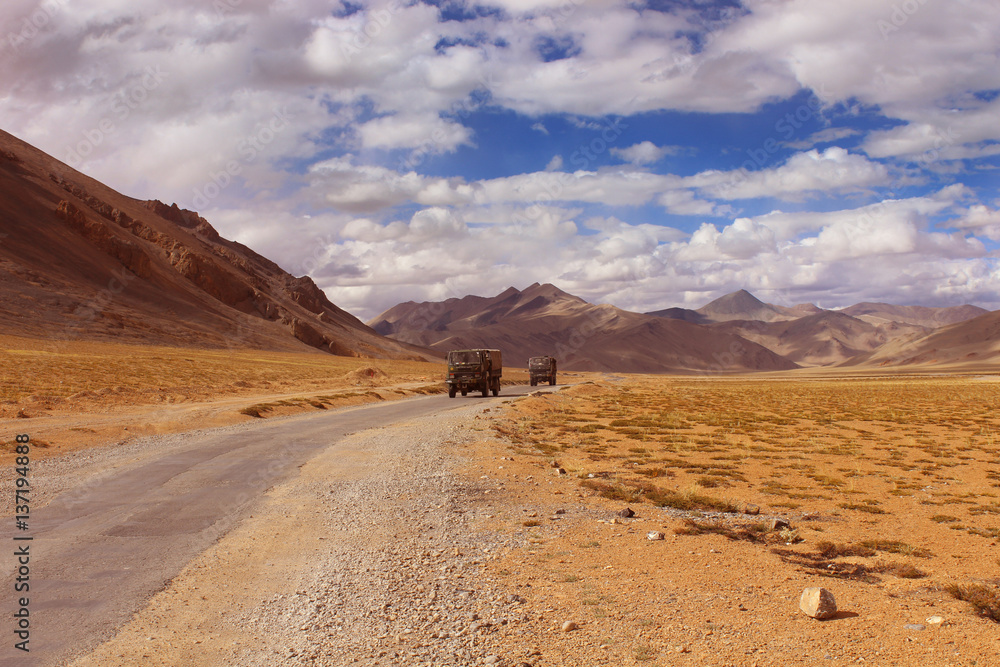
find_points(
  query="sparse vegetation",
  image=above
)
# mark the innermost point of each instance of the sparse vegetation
(902, 570)
(99, 372)
(984, 599)
(850, 456)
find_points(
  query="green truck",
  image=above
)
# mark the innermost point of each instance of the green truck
(542, 369)
(472, 370)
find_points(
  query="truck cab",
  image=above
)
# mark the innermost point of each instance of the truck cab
(542, 369)
(472, 370)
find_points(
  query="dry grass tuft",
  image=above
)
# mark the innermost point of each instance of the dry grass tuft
(984, 599)
(751, 533)
(636, 492)
(902, 570)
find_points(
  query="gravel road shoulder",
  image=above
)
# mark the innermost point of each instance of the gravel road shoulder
(371, 556)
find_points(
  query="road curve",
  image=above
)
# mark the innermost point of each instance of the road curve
(101, 551)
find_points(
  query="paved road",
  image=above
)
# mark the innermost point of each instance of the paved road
(100, 552)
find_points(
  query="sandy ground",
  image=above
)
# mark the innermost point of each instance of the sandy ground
(64, 428)
(447, 544)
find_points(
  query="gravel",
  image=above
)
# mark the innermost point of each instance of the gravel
(402, 582)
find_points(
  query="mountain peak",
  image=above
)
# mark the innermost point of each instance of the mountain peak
(548, 291)
(739, 305)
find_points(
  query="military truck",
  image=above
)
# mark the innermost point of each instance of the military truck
(542, 369)
(471, 370)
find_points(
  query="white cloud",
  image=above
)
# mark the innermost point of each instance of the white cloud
(645, 152)
(941, 134)
(375, 80)
(414, 131)
(980, 220)
(833, 170)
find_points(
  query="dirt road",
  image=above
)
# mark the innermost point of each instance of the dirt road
(102, 549)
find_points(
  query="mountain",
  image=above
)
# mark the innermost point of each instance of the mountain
(543, 319)
(79, 260)
(880, 313)
(743, 305)
(971, 344)
(685, 314)
(812, 336)
(821, 339)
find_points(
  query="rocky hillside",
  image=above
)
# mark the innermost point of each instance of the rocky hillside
(543, 319)
(972, 345)
(79, 260)
(812, 336)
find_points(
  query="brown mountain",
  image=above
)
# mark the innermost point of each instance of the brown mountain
(811, 336)
(922, 316)
(677, 313)
(543, 319)
(973, 344)
(822, 339)
(79, 260)
(743, 305)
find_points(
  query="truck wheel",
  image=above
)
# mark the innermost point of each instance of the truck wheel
(552, 380)
(496, 387)
(464, 392)
(451, 391)
(533, 382)
(486, 389)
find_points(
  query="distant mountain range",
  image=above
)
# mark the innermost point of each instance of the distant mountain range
(736, 332)
(79, 260)
(543, 319)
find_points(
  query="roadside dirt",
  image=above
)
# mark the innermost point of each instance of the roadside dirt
(465, 547)
(62, 429)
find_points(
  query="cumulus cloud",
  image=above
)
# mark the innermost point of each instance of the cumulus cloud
(427, 131)
(824, 257)
(645, 152)
(832, 170)
(979, 219)
(185, 100)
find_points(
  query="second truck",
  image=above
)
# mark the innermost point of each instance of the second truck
(542, 369)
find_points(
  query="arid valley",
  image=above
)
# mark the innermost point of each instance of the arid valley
(885, 490)
(500, 333)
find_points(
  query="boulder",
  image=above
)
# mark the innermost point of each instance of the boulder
(818, 603)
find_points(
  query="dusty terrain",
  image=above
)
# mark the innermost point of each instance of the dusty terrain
(459, 542)
(73, 395)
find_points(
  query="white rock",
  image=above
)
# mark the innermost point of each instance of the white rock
(654, 535)
(818, 603)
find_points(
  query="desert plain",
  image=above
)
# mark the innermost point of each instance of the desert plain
(742, 491)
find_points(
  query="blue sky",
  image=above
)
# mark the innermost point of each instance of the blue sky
(645, 154)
